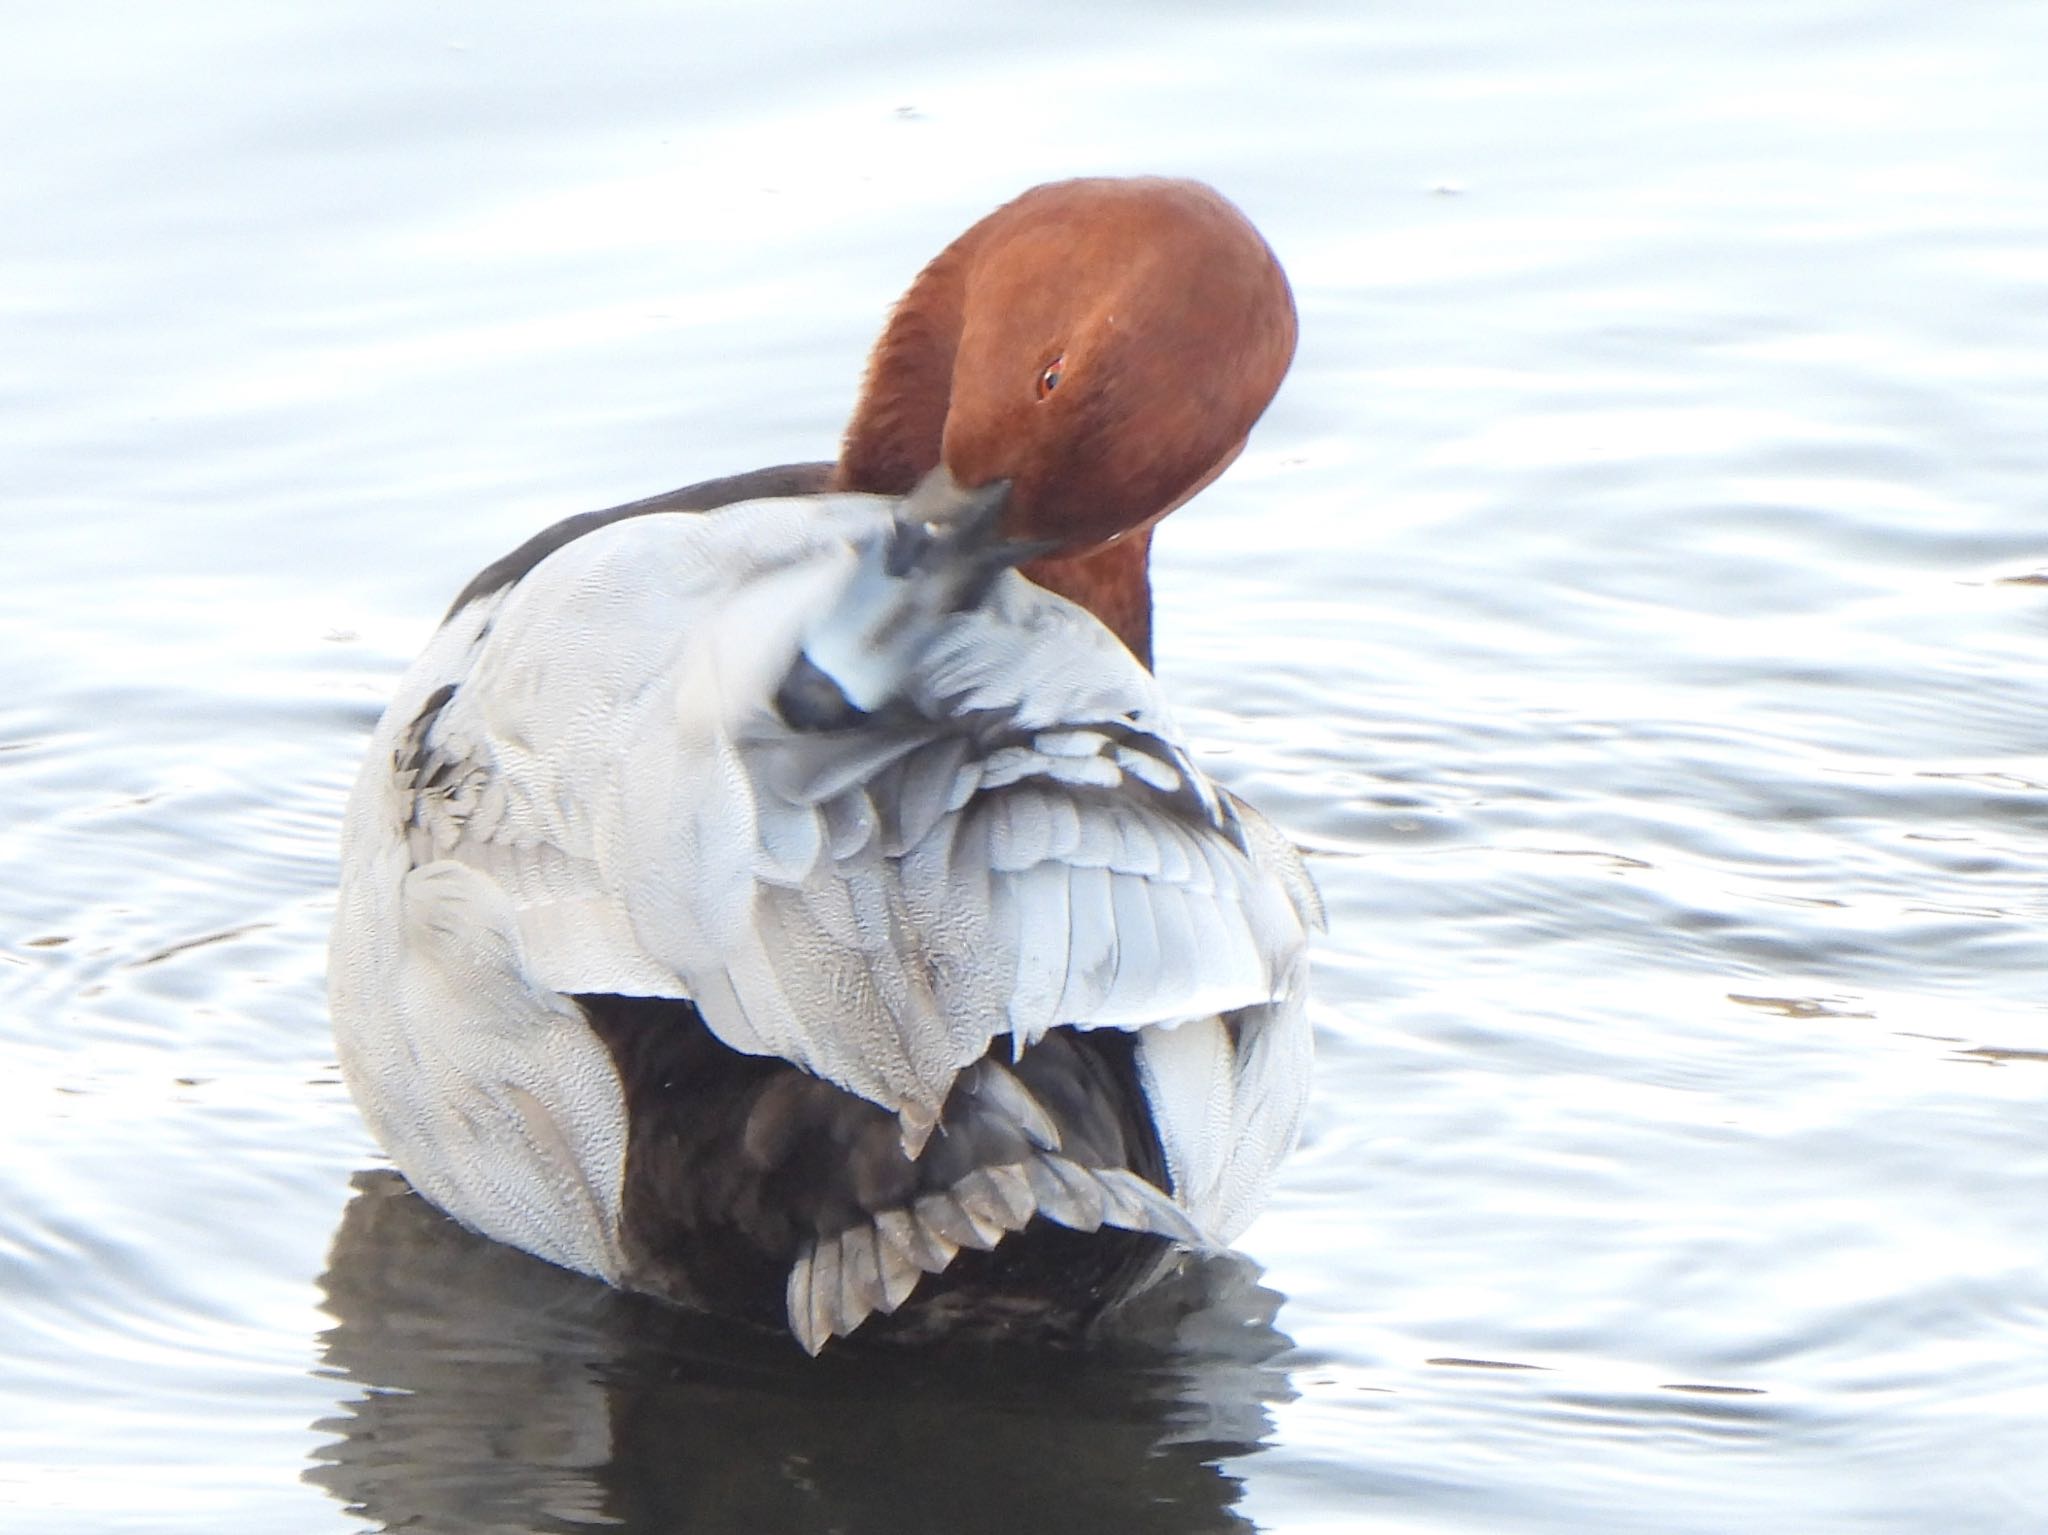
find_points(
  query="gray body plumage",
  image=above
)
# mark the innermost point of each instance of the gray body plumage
(872, 803)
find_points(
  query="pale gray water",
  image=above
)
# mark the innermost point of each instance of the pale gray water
(1637, 599)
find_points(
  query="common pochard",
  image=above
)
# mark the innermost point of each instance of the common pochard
(767, 897)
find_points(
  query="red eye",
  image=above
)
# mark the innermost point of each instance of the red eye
(1049, 380)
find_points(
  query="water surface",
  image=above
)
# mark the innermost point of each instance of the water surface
(1636, 600)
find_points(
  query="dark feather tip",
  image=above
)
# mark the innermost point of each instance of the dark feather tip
(810, 700)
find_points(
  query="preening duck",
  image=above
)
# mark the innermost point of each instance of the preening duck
(791, 896)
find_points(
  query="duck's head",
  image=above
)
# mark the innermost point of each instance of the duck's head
(1103, 345)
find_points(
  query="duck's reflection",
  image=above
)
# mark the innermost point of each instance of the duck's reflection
(499, 1393)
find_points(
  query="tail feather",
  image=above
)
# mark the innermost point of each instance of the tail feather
(1066, 1193)
(1000, 1087)
(838, 1281)
(1141, 1207)
(948, 1216)
(900, 1263)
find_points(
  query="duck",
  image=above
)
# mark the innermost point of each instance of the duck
(791, 896)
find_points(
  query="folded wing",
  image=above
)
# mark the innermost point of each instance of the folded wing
(866, 824)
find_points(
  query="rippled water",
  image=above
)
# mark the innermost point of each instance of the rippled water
(1637, 600)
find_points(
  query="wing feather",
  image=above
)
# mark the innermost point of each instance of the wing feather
(1014, 840)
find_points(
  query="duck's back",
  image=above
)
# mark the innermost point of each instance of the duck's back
(760, 907)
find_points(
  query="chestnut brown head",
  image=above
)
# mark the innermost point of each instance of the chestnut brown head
(1104, 345)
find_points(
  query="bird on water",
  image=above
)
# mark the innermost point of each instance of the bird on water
(790, 896)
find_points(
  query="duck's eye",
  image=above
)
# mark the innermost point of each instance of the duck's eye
(1049, 380)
